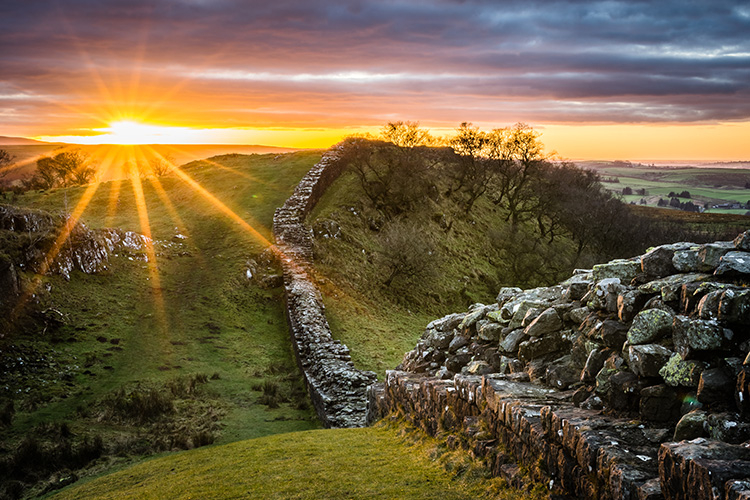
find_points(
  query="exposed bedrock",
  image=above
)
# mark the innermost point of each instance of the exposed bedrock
(630, 380)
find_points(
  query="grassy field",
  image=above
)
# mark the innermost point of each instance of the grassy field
(706, 184)
(383, 462)
(203, 320)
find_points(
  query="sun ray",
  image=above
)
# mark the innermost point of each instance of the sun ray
(159, 189)
(114, 200)
(152, 264)
(222, 207)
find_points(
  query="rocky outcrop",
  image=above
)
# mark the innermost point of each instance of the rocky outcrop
(337, 389)
(600, 376)
(36, 236)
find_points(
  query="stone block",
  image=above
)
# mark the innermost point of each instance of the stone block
(649, 326)
(646, 360)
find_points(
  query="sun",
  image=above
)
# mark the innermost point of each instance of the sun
(129, 132)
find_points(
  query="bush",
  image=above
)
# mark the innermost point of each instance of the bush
(139, 404)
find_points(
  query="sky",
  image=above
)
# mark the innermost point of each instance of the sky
(632, 79)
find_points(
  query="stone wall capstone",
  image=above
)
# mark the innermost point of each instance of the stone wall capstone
(337, 389)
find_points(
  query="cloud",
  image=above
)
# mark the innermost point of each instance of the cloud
(575, 60)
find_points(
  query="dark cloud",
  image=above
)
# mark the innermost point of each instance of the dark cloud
(672, 60)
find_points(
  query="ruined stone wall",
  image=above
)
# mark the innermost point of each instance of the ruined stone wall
(628, 381)
(337, 389)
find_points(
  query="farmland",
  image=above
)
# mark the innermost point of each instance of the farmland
(714, 184)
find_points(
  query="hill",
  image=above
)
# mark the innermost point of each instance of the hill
(19, 141)
(204, 349)
(110, 158)
(373, 463)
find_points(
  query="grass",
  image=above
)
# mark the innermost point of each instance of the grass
(204, 319)
(385, 461)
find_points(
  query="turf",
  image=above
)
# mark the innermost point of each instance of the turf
(368, 463)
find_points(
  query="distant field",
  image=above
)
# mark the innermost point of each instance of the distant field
(706, 184)
(113, 157)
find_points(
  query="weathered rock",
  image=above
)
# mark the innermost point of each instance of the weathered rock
(478, 312)
(624, 270)
(578, 314)
(672, 282)
(530, 316)
(625, 390)
(478, 368)
(737, 489)
(576, 290)
(691, 426)
(742, 241)
(659, 403)
(457, 343)
(457, 361)
(603, 295)
(519, 308)
(646, 360)
(734, 264)
(658, 262)
(692, 336)
(507, 293)
(734, 307)
(701, 469)
(710, 254)
(613, 333)
(489, 331)
(438, 338)
(715, 386)
(629, 303)
(539, 347)
(562, 373)
(8, 280)
(511, 341)
(447, 323)
(727, 427)
(650, 325)
(547, 322)
(678, 372)
(742, 390)
(594, 363)
(612, 365)
(687, 261)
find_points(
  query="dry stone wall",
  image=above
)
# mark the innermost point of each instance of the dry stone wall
(337, 389)
(628, 381)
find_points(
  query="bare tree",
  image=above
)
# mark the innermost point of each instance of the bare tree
(6, 165)
(162, 165)
(405, 252)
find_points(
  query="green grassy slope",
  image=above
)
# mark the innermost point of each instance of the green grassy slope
(368, 463)
(378, 323)
(214, 323)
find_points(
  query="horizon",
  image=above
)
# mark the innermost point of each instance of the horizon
(619, 80)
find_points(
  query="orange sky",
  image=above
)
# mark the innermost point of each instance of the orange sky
(601, 80)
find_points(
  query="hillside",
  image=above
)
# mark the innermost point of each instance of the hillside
(378, 463)
(467, 256)
(19, 141)
(206, 341)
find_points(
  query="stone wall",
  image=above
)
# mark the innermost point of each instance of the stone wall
(631, 380)
(337, 389)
